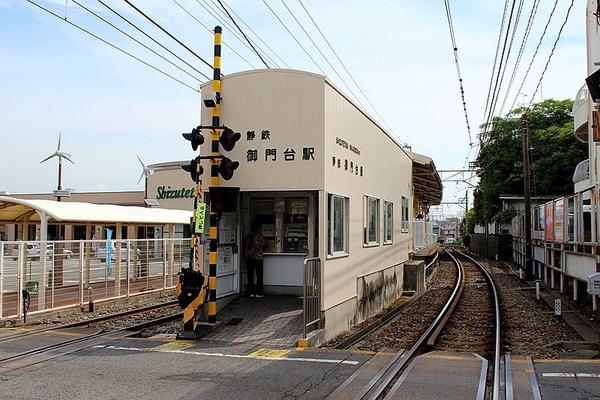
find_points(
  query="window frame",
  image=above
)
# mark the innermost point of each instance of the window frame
(331, 253)
(385, 222)
(366, 242)
(405, 218)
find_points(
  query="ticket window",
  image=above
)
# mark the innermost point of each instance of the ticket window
(284, 224)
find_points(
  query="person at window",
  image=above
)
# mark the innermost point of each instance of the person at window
(256, 244)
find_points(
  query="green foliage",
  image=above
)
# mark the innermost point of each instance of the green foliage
(554, 154)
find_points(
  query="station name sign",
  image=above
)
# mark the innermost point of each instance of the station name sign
(165, 192)
(347, 145)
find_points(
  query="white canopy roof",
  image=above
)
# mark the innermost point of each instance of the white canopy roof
(15, 210)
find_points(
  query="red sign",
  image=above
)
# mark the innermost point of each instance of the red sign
(549, 224)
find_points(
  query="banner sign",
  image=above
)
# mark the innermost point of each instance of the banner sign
(200, 215)
(549, 221)
(108, 249)
(559, 220)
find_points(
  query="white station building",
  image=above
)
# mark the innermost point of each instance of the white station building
(324, 181)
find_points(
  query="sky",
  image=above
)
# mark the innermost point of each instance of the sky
(109, 107)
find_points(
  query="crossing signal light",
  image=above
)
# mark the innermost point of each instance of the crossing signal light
(228, 167)
(229, 138)
(195, 138)
(192, 168)
(223, 199)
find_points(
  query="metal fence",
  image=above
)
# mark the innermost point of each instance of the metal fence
(421, 236)
(59, 274)
(312, 295)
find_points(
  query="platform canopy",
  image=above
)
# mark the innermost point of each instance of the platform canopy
(13, 210)
(426, 180)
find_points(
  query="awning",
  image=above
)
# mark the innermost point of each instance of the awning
(427, 183)
(13, 210)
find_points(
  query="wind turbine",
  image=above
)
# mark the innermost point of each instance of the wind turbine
(145, 173)
(60, 154)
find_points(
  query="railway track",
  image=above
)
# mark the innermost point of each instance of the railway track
(91, 321)
(81, 341)
(388, 380)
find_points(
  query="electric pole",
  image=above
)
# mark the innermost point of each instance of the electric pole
(527, 195)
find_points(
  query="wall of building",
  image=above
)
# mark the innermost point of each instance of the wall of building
(360, 159)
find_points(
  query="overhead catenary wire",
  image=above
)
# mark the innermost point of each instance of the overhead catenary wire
(210, 30)
(552, 51)
(112, 45)
(153, 39)
(217, 14)
(535, 53)
(321, 53)
(168, 33)
(243, 34)
(344, 66)
(457, 63)
(526, 33)
(134, 39)
(293, 37)
(257, 36)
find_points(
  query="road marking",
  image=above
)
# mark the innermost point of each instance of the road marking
(269, 353)
(175, 346)
(570, 375)
(446, 357)
(200, 353)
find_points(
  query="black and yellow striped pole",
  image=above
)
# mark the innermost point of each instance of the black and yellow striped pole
(214, 181)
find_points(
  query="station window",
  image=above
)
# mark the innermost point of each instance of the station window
(338, 225)
(404, 214)
(571, 220)
(388, 222)
(372, 222)
(586, 219)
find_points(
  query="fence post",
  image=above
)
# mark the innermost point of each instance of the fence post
(1, 279)
(164, 249)
(20, 270)
(128, 264)
(81, 268)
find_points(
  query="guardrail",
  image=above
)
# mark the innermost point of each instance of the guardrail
(311, 295)
(60, 274)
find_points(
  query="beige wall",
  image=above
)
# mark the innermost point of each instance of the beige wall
(172, 187)
(386, 175)
(287, 103)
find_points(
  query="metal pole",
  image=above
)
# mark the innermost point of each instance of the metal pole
(214, 181)
(81, 268)
(2, 278)
(527, 192)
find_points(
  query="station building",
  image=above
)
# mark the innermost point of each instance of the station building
(325, 182)
(342, 204)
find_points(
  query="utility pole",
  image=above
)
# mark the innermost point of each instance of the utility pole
(527, 195)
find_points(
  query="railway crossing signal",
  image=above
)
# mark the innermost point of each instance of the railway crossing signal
(195, 137)
(229, 138)
(193, 168)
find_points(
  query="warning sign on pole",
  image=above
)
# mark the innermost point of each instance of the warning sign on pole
(200, 213)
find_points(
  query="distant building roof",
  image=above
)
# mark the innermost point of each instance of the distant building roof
(426, 180)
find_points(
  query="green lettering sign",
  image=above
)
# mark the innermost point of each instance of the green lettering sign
(200, 213)
(166, 192)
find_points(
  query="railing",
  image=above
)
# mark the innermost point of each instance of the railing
(71, 273)
(422, 238)
(312, 295)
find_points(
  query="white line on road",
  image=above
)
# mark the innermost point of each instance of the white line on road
(199, 353)
(570, 375)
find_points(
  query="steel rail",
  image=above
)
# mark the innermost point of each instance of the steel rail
(383, 320)
(381, 381)
(94, 320)
(44, 349)
(496, 372)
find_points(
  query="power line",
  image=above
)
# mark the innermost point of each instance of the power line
(535, 53)
(294, 37)
(210, 30)
(256, 34)
(135, 40)
(552, 51)
(494, 92)
(456, 62)
(321, 53)
(243, 34)
(112, 45)
(504, 67)
(151, 38)
(168, 34)
(344, 66)
(217, 14)
(532, 15)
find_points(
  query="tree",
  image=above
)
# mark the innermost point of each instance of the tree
(554, 154)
